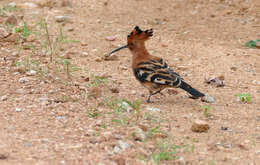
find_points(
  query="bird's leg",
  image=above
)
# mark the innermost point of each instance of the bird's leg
(151, 94)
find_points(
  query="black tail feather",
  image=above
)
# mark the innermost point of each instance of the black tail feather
(195, 93)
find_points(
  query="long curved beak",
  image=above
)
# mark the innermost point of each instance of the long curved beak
(117, 49)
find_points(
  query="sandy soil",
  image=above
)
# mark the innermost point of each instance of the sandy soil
(50, 117)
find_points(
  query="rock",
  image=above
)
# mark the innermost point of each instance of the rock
(23, 80)
(4, 98)
(139, 135)
(94, 92)
(120, 161)
(64, 118)
(28, 5)
(200, 126)
(18, 109)
(126, 106)
(3, 156)
(181, 160)
(111, 38)
(12, 4)
(256, 82)
(31, 73)
(114, 90)
(123, 145)
(116, 149)
(98, 59)
(11, 20)
(208, 99)
(218, 81)
(4, 33)
(153, 109)
(61, 18)
(66, 3)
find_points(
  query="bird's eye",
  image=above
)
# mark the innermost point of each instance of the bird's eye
(131, 44)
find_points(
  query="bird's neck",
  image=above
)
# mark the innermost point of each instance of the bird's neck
(139, 51)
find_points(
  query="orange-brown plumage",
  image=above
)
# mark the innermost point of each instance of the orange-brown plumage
(151, 71)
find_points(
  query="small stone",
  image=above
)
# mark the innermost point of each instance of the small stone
(181, 160)
(4, 33)
(31, 73)
(29, 5)
(200, 126)
(111, 38)
(256, 82)
(4, 98)
(118, 136)
(218, 81)
(208, 99)
(114, 90)
(116, 149)
(3, 156)
(123, 145)
(61, 18)
(18, 109)
(153, 109)
(23, 80)
(11, 20)
(61, 118)
(98, 59)
(139, 135)
(233, 68)
(126, 106)
(94, 92)
(85, 53)
(12, 4)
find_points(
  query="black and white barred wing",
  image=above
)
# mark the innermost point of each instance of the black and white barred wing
(157, 72)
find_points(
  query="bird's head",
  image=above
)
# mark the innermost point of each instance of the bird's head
(135, 39)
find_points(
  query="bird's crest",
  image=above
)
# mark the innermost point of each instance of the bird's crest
(138, 34)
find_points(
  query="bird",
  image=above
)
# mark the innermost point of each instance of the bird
(151, 71)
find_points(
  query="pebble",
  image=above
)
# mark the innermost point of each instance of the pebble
(4, 98)
(11, 20)
(18, 109)
(153, 109)
(111, 38)
(61, 18)
(3, 33)
(23, 80)
(181, 160)
(123, 145)
(61, 118)
(139, 135)
(12, 4)
(200, 126)
(126, 106)
(256, 82)
(29, 5)
(208, 99)
(31, 73)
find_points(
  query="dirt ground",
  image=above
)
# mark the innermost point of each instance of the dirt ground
(71, 111)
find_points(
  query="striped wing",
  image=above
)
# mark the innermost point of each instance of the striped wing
(157, 71)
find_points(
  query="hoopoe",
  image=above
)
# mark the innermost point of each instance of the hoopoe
(151, 71)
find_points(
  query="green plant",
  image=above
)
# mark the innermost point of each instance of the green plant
(165, 151)
(93, 113)
(97, 80)
(120, 121)
(252, 43)
(206, 109)
(244, 97)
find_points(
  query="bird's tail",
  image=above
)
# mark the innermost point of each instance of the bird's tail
(195, 93)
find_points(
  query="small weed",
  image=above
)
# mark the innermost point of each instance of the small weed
(25, 31)
(122, 121)
(244, 97)
(206, 109)
(97, 80)
(252, 43)
(93, 113)
(166, 151)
